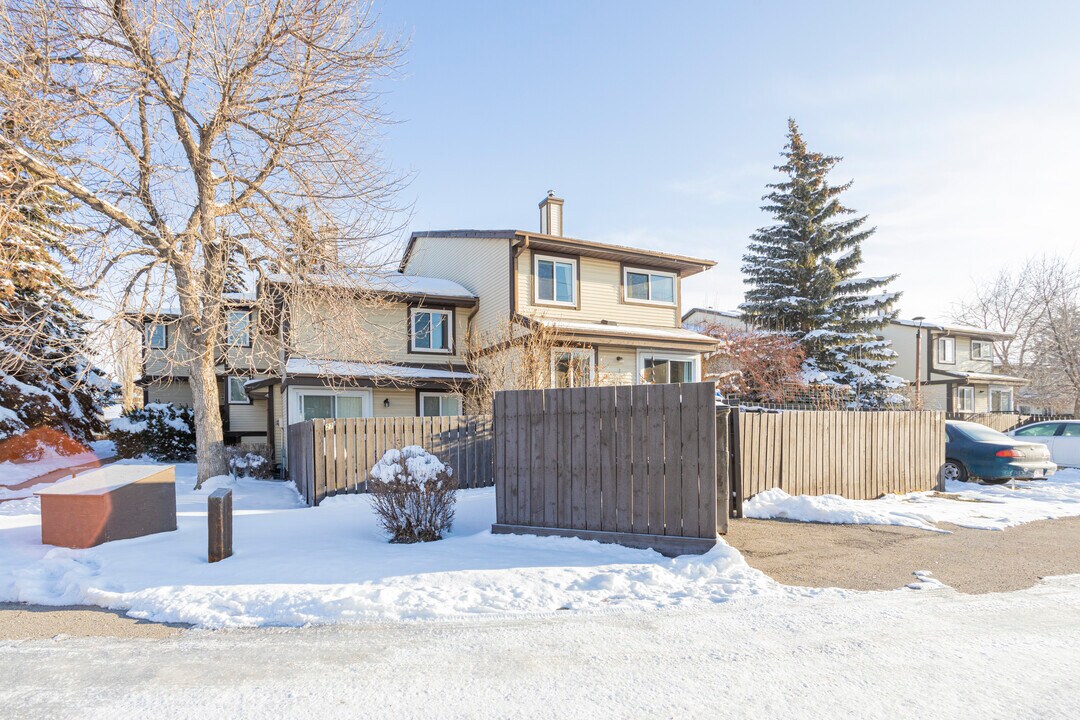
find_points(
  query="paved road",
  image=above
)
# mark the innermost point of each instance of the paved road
(875, 655)
(882, 557)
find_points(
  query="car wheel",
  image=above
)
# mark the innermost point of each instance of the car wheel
(954, 470)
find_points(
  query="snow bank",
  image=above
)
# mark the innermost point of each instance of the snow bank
(982, 507)
(295, 566)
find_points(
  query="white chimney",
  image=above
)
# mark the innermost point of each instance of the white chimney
(551, 215)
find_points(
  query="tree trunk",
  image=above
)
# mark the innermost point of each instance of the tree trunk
(1076, 406)
(209, 434)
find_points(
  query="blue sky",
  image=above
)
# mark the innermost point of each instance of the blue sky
(659, 123)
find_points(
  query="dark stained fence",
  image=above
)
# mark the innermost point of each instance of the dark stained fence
(859, 455)
(632, 464)
(333, 457)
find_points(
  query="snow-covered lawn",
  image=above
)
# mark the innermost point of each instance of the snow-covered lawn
(295, 565)
(12, 473)
(983, 507)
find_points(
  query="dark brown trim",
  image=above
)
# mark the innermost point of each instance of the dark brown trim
(409, 308)
(271, 423)
(533, 284)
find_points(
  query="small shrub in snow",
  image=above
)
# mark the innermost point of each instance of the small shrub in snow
(251, 461)
(413, 494)
(159, 430)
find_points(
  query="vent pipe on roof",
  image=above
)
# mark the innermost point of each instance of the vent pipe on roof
(551, 215)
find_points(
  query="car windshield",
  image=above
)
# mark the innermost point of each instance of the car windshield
(981, 433)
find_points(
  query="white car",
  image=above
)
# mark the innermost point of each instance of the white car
(1061, 436)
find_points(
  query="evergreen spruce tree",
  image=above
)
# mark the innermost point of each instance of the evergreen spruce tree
(803, 273)
(50, 394)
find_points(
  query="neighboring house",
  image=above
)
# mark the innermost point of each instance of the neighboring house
(612, 313)
(701, 319)
(276, 371)
(956, 366)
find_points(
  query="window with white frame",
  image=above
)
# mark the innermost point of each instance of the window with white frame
(571, 367)
(649, 286)
(157, 336)
(555, 280)
(965, 399)
(439, 404)
(235, 390)
(1001, 399)
(982, 350)
(946, 350)
(660, 368)
(239, 328)
(327, 404)
(432, 330)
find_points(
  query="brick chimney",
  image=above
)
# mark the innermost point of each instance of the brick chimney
(551, 215)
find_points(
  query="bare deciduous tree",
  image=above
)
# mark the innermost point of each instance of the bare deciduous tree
(1039, 303)
(196, 138)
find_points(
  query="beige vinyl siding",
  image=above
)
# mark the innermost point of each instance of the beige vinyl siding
(617, 366)
(176, 392)
(248, 418)
(601, 297)
(481, 265)
(402, 402)
(279, 423)
(328, 336)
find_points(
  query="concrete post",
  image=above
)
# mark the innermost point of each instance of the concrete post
(219, 524)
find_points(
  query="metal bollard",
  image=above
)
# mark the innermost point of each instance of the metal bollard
(219, 524)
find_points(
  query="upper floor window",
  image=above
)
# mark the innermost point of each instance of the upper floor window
(239, 328)
(649, 286)
(946, 350)
(556, 280)
(982, 350)
(157, 336)
(571, 367)
(431, 330)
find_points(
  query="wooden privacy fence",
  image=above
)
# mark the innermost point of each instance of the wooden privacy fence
(860, 455)
(1004, 422)
(640, 465)
(331, 457)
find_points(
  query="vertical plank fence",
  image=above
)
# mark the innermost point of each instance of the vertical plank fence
(333, 457)
(859, 455)
(639, 465)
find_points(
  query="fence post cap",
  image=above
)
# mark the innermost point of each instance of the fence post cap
(221, 493)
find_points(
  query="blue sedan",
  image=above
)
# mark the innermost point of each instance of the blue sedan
(976, 452)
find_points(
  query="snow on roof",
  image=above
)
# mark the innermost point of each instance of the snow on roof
(987, 377)
(636, 330)
(341, 368)
(711, 311)
(388, 282)
(954, 328)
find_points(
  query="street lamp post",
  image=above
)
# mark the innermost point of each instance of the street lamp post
(918, 361)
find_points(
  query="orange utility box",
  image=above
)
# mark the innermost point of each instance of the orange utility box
(112, 503)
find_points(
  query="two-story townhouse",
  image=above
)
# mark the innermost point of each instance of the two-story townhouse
(291, 352)
(954, 365)
(614, 311)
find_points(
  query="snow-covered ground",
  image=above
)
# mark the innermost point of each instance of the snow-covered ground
(937, 654)
(295, 565)
(12, 473)
(983, 507)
